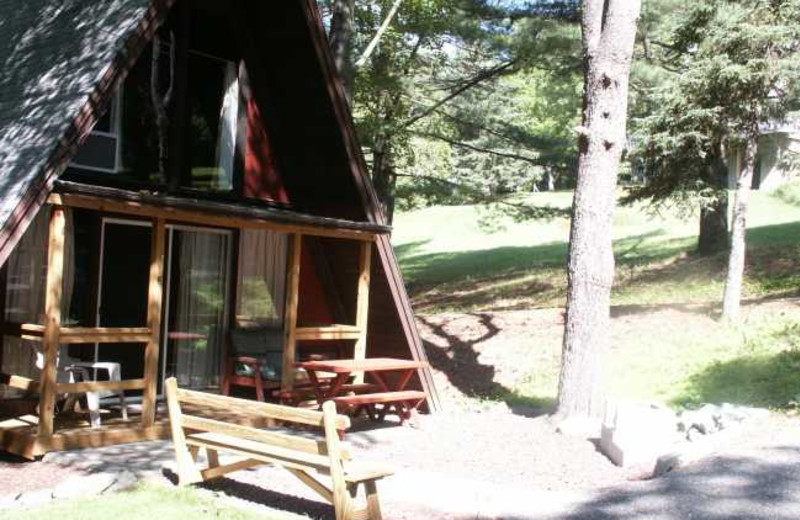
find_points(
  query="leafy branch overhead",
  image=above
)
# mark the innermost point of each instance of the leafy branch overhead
(421, 78)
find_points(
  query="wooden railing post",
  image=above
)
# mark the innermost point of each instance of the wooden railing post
(290, 325)
(52, 325)
(154, 303)
(362, 305)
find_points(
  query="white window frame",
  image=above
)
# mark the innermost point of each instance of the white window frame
(116, 134)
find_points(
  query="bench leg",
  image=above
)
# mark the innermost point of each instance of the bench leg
(193, 451)
(373, 505)
(213, 458)
(187, 471)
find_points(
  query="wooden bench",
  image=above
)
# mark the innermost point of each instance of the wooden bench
(405, 403)
(304, 457)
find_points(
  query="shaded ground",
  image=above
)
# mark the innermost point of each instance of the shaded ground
(675, 354)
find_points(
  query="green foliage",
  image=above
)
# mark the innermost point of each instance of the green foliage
(467, 100)
(789, 193)
(731, 67)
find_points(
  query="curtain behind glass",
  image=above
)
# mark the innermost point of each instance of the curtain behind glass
(25, 291)
(262, 278)
(228, 122)
(200, 307)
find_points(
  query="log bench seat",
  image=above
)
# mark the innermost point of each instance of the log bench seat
(404, 402)
(305, 455)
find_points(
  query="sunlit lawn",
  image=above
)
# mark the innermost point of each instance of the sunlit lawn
(145, 503)
(464, 258)
(453, 261)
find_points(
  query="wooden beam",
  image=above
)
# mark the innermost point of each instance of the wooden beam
(54, 287)
(154, 304)
(332, 332)
(362, 305)
(99, 386)
(141, 209)
(70, 335)
(77, 335)
(290, 321)
(19, 382)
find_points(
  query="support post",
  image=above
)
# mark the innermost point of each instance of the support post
(290, 325)
(52, 326)
(154, 302)
(362, 304)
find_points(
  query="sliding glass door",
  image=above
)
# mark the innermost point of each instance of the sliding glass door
(197, 310)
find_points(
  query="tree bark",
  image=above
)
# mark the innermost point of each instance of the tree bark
(731, 301)
(713, 237)
(162, 102)
(384, 176)
(341, 36)
(609, 29)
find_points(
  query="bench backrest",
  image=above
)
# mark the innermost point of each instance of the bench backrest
(182, 403)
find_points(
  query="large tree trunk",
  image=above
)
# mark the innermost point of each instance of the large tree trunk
(384, 176)
(609, 29)
(731, 301)
(713, 236)
(341, 36)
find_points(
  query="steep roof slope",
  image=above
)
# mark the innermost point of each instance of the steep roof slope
(63, 59)
(57, 59)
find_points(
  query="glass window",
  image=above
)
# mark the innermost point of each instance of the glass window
(140, 134)
(100, 151)
(213, 101)
(262, 278)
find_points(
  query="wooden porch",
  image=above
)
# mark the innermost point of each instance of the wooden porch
(32, 435)
(20, 435)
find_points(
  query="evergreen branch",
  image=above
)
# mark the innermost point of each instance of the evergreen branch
(483, 76)
(516, 157)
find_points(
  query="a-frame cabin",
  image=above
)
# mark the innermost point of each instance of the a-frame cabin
(172, 170)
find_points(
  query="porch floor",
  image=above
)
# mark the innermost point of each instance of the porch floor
(18, 435)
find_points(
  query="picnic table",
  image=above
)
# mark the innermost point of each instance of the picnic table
(391, 377)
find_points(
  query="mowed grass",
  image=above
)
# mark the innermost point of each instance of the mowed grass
(144, 503)
(473, 258)
(668, 344)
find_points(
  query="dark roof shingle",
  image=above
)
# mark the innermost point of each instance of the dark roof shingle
(53, 54)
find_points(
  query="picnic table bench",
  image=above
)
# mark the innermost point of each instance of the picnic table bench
(304, 457)
(391, 394)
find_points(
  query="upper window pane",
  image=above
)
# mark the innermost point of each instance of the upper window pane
(213, 101)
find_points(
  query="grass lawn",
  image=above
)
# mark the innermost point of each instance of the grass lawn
(145, 503)
(470, 258)
(667, 344)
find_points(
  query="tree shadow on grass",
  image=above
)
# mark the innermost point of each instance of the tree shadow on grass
(264, 496)
(458, 360)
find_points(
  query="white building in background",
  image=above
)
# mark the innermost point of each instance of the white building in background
(778, 157)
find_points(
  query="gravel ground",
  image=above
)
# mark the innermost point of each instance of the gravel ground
(18, 475)
(477, 459)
